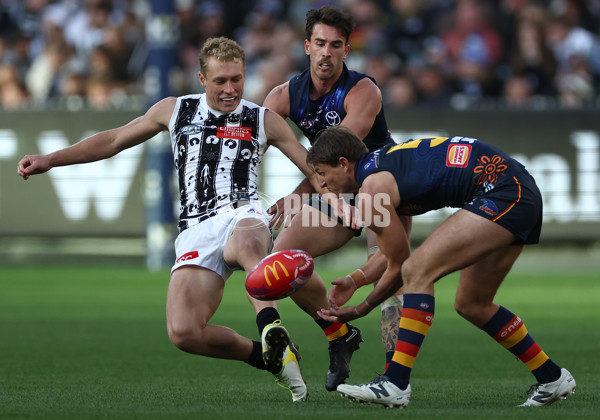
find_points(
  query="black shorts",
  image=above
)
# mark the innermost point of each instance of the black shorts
(516, 205)
(317, 202)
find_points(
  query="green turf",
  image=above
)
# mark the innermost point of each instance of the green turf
(80, 342)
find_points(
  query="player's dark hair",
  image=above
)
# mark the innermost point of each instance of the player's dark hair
(223, 49)
(330, 16)
(333, 143)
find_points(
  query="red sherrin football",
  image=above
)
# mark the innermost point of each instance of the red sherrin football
(279, 274)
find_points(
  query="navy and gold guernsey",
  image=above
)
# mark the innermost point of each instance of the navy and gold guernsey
(460, 172)
(328, 110)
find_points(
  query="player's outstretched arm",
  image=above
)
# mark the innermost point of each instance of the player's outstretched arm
(380, 216)
(344, 287)
(104, 144)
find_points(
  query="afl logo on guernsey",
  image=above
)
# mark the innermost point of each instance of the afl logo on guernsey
(333, 118)
(190, 130)
(458, 155)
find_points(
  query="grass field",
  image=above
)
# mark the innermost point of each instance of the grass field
(91, 343)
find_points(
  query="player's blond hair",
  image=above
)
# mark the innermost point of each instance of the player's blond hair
(223, 49)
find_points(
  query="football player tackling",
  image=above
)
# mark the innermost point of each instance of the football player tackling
(500, 210)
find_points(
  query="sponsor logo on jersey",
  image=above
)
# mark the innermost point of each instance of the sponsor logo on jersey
(188, 256)
(191, 129)
(236, 133)
(273, 270)
(333, 118)
(458, 155)
(489, 207)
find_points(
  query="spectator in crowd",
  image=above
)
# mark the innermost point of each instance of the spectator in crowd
(399, 92)
(85, 29)
(73, 84)
(13, 95)
(42, 76)
(99, 92)
(532, 58)
(506, 18)
(554, 45)
(409, 24)
(432, 89)
(517, 92)
(382, 68)
(577, 52)
(369, 34)
(578, 13)
(474, 48)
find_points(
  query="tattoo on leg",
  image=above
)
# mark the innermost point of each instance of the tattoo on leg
(390, 320)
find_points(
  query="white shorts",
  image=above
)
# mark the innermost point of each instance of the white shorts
(204, 244)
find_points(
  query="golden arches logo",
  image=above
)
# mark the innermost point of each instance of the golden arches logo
(273, 269)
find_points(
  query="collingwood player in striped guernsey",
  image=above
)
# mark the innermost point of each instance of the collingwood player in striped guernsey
(218, 142)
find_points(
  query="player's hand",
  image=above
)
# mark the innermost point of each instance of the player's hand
(348, 213)
(276, 212)
(33, 165)
(334, 314)
(341, 292)
(283, 211)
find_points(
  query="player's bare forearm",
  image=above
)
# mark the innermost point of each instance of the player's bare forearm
(305, 187)
(91, 149)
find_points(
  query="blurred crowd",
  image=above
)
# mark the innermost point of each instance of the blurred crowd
(431, 53)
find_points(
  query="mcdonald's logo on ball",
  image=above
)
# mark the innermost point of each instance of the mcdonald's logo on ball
(279, 274)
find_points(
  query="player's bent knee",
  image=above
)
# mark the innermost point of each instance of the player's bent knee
(185, 338)
(468, 311)
(415, 274)
(253, 244)
(409, 273)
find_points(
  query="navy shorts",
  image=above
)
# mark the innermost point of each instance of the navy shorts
(515, 204)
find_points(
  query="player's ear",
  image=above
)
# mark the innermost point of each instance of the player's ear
(202, 79)
(344, 163)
